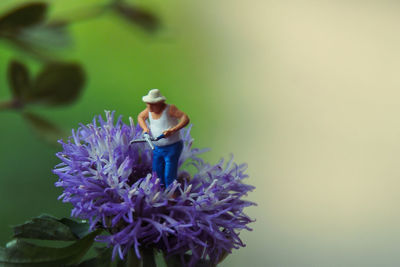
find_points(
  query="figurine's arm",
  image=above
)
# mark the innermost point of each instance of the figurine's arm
(183, 120)
(142, 117)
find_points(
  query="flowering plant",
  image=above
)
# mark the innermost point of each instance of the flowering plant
(110, 184)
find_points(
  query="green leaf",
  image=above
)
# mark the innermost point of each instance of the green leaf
(138, 16)
(103, 259)
(23, 16)
(22, 253)
(80, 229)
(45, 129)
(49, 37)
(159, 258)
(29, 49)
(18, 77)
(46, 227)
(57, 84)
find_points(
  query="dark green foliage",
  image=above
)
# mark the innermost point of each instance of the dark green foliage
(23, 16)
(19, 252)
(148, 258)
(46, 227)
(26, 28)
(18, 76)
(138, 16)
(173, 261)
(44, 128)
(132, 260)
(102, 259)
(80, 229)
(57, 84)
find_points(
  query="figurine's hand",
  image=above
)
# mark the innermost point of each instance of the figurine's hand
(169, 132)
(146, 131)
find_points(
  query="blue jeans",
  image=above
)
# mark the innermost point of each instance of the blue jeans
(165, 162)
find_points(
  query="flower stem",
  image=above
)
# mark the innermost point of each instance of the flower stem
(148, 257)
(132, 260)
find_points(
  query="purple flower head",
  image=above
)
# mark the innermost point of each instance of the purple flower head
(110, 183)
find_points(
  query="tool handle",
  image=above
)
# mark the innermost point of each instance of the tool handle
(160, 137)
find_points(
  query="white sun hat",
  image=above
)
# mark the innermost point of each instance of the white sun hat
(153, 96)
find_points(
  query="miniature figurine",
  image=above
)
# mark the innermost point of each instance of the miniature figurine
(165, 121)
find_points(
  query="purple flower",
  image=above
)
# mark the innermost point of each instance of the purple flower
(110, 183)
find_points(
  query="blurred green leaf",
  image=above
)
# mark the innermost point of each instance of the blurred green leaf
(57, 84)
(80, 229)
(138, 16)
(54, 36)
(23, 16)
(18, 77)
(33, 51)
(44, 128)
(46, 227)
(19, 252)
(103, 259)
(159, 259)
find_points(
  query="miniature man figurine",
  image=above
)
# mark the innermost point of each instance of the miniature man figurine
(168, 120)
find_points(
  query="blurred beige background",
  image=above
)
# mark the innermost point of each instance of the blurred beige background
(310, 93)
